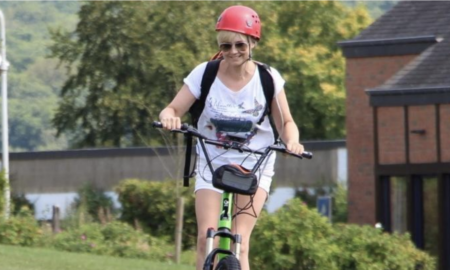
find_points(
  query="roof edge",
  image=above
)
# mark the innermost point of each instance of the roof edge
(409, 96)
(386, 41)
(407, 91)
(387, 47)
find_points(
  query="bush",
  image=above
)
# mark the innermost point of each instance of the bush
(340, 204)
(364, 247)
(293, 237)
(338, 194)
(152, 205)
(124, 241)
(86, 238)
(114, 239)
(95, 202)
(3, 186)
(21, 230)
(19, 201)
(297, 238)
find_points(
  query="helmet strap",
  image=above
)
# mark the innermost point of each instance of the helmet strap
(249, 49)
(218, 55)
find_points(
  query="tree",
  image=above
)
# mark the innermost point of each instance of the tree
(302, 44)
(32, 101)
(33, 81)
(126, 60)
(375, 8)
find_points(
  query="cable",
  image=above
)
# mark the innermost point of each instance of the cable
(281, 118)
(240, 211)
(249, 205)
(201, 174)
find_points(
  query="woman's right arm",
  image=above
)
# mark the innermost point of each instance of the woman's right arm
(170, 117)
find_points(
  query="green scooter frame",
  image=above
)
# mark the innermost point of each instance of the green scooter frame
(226, 238)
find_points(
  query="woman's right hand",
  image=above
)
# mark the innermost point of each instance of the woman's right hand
(170, 116)
(170, 123)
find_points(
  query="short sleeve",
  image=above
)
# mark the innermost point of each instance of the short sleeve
(194, 79)
(278, 80)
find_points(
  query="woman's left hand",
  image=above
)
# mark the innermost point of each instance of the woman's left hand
(295, 147)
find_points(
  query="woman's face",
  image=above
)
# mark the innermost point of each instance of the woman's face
(236, 49)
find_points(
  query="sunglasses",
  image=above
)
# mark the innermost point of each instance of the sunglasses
(240, 46)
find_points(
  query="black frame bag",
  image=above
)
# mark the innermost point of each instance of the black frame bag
(236, 179)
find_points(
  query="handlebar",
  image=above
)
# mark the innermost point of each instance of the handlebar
(187, 129)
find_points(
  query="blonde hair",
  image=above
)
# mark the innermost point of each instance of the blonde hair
(228, 36)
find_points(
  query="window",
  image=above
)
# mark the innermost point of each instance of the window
(419, 205)
(431, 215)
(399, 204)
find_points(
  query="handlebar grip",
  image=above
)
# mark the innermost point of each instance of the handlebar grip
(183, 127)
(157, 124)
(307, 155)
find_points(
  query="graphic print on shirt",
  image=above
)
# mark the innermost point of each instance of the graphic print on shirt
(232, 122)
(255, 111)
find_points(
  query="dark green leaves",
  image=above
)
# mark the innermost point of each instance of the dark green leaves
(127, 60)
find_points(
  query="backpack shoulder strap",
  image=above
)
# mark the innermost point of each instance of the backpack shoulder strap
(269, 91)
(212, 67)
(208, 78)
(268, 86)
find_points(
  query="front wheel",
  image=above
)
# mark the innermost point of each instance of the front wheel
(229, 263)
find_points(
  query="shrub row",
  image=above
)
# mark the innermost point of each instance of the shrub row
(293, 238)
(21, 229)
(296, 237)
(152, 205)
(114, 238)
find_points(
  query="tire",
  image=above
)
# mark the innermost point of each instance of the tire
(229, 263)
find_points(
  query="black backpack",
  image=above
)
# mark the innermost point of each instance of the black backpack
(196, 109)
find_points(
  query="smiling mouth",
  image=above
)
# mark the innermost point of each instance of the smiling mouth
(237, 56)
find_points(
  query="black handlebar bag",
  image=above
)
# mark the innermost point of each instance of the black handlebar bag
(236, 179)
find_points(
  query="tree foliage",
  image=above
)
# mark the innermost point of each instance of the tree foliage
(302, 45)
(33, 80)
(296, 237)
(152, 206)
(375, 8)
(126, 60)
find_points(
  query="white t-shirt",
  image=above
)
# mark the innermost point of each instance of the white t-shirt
(234, 113)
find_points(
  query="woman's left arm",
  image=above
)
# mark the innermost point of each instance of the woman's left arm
(285, 124)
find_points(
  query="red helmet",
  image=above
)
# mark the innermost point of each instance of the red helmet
(240, 19)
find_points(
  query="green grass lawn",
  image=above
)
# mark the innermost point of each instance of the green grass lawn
(21, 258)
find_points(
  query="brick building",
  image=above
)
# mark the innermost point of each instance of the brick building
(398, 124)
